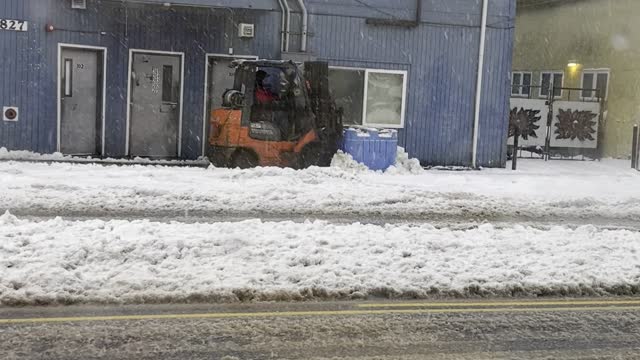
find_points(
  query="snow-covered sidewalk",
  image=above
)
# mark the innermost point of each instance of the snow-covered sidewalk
(58, 261)
(540, 190)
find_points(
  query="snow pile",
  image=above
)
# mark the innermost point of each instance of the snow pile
(28, 155)
(59, 261)
(22, 155)
(405, 165)
(344, 161)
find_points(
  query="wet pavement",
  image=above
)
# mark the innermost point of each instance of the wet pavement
(471, 329)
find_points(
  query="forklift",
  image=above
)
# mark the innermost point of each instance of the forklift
(276, 114)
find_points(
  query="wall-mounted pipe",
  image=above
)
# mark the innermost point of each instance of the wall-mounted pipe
(305, 19)
(287, 29)
(476, 119)
(282, 25)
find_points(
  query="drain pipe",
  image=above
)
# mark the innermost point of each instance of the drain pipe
(287, 29)
(476, 120)
(305, 19)
(282, 26)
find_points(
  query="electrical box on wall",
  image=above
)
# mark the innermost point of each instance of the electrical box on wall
(10, 113)
(79, 4)
(246, 30)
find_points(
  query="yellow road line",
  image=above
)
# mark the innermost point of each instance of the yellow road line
(310, 313)
(501, 303)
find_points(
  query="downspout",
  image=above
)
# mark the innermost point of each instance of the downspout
(287, 29)
(282, 26)
(476, 120)
(305, 19)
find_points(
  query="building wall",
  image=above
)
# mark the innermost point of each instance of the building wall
(29, 71)
(598, 34)
(440, 55)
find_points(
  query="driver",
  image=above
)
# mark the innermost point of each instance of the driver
(263, 95)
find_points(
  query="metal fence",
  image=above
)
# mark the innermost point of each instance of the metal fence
(548, 151)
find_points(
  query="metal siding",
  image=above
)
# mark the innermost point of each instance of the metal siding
(15, 71)
(494, 114)
(442, 63)
(29, 68)
(245, 4)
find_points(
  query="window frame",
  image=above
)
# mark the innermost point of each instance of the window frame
(367, 71)
(520, 87)
(552, 73)
(595, 73)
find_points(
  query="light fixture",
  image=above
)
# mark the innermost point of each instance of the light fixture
(572, 64)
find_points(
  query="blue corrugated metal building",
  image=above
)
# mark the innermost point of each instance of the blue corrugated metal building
(432, 55)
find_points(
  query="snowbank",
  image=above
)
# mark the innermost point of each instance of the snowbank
(404, 165)
(59, 261)
(553, 190)
(28, 155)
(344, 161)
(22, 155)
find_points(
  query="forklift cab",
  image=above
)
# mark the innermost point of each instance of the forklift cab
(275, 116)
(275, 103)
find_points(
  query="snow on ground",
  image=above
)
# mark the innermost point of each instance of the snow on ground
(24, 155)
(59, 261)
(550, 190)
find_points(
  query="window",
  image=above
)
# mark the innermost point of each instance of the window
(595, 80)
(520, 83)
(167, 84)
(370, 97)
(347, 88)
(67, 77)
(551, 79)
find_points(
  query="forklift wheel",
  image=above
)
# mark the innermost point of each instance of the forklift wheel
(311, 155)
(244, 159)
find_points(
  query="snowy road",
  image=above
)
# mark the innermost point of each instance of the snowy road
(556, 191)
(560, 228)
(557, 329)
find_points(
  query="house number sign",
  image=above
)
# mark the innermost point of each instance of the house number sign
(13, 25)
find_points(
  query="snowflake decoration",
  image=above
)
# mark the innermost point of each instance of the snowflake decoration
(575, 125)
(525, 121)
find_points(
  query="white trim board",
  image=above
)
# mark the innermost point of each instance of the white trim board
(104, 50)
(128, 123)
(206, 82)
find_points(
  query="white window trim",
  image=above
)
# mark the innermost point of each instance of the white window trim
(367, 71)
(553, 73)
(404, 97)
(520, 88)
(595, 82)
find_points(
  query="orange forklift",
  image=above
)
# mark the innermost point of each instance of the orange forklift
(276, 114)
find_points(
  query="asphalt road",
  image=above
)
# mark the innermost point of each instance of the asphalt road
(522, 329)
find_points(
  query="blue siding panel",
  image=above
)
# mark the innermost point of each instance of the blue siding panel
(440, 56)
(32, 59)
